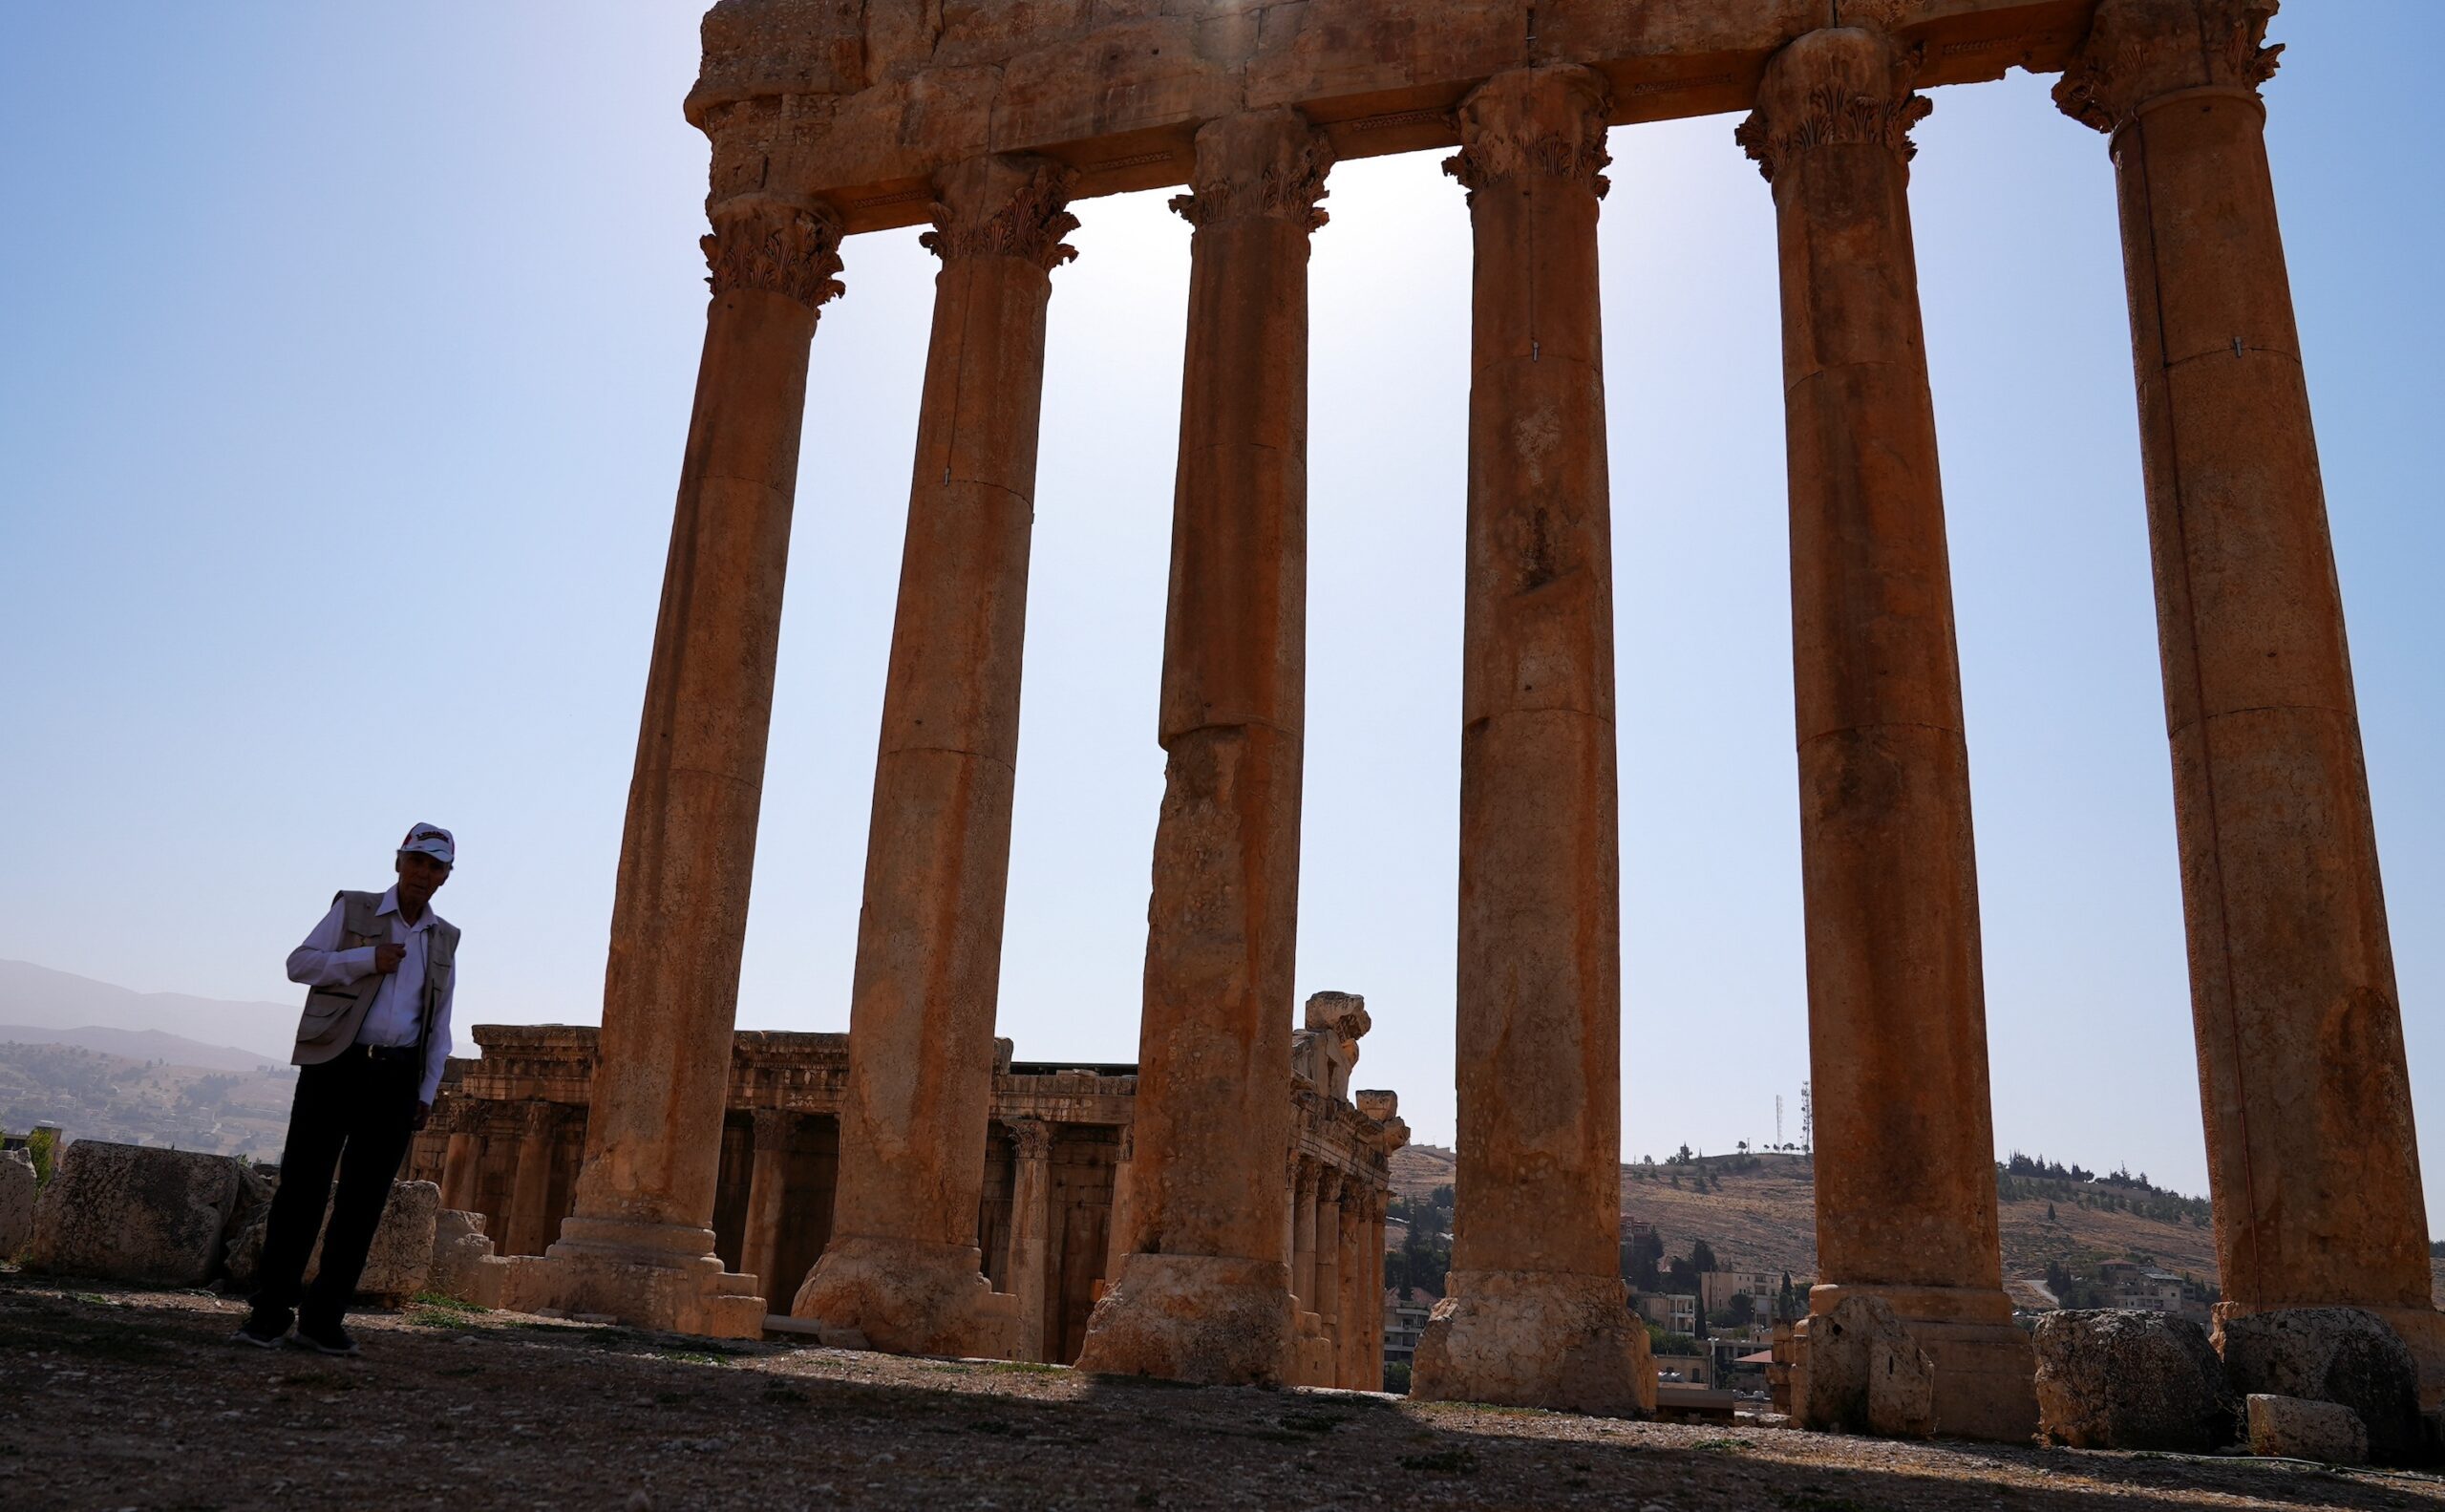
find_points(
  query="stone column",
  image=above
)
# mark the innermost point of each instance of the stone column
(1349, 1331)
(1372, 1267)
(2311, 1159)
(1203, 1289)
(529, 1218)
(1326, 1304)
(1906, 1149)
(461, 1156)
(1303, 1236)
(903, 1267)
(768, 1197)
(640, 1242)
(1536, 1314)
(1031, 1232)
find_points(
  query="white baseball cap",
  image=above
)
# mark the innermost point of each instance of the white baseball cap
(431, 839)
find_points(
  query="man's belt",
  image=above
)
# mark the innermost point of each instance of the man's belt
(386, 1055)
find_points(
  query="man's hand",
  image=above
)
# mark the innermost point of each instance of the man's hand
(424, 1114)
(387, 958)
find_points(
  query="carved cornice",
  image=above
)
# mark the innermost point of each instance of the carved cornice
(2139, 51)
(1541, 122)
(1264, 164)
(1845, 88)
(1004, 206)
(777, 248)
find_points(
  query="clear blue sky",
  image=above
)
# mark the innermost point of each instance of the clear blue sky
(345, 362)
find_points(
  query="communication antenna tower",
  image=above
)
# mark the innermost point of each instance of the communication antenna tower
(1807, 1121)
(1778, 1120)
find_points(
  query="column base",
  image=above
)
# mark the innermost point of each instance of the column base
(659, 1276)
(1309, 1361)
(1535, 1338)
(1986, 1368)
(909, 1296)
(1214, 1320)
(2421, 1329)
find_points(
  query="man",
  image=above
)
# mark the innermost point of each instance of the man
(372, 1043)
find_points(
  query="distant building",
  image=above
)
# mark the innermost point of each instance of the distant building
(2148, 1290)
(1717, 1287)
(1403, 1320)
(1672, 1313)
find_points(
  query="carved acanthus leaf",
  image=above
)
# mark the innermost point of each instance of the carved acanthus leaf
(1546, 123)
(777, 248)
(1833, 115)
(1004, 207)
(2141, 50)
(1271, 163)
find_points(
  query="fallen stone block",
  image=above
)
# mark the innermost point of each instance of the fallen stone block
(2296, 1428)
(1866, 1374)
(2117, 1379)
(460, 1249)
(398, 1265)
(2344, 1355)
(17, 1191)
(128, 1212)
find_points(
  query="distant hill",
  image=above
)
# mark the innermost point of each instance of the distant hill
(1764, 1216)
(94, 1095)
(140, 1044)
(38, 998)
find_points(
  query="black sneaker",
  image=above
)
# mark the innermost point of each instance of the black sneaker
(263, 1330)
(326, 1338)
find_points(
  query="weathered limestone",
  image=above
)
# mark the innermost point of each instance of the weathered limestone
(2295, 1428)
(1867, 1374)
(1203, 1289)
(397, 1265)
(1303, 1228)
(767, 1192)
(1905, 1187)
(904, 1265)
(2347, 1355)
(128, 1212)
(639, 1245)
(1536, 1314)
(2311, 1156)
(1031, 1224)
(1330, 1251)
(530, 1213)
(17, 1189)
(2114, 1379)
(460, 1252)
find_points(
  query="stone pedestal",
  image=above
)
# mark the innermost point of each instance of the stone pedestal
(1906, 1182)
(1204, 1292)
(1537, 1315)
(938, 850)
(640, 1243)
(2311, 1157)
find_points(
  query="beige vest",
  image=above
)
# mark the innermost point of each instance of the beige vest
(333, 1015)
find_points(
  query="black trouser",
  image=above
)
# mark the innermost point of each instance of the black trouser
(360, 1104)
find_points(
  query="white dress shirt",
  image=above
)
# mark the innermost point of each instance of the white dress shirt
(392, 1020)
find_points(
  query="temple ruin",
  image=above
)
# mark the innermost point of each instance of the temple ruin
(508, 1131)
(996, 122)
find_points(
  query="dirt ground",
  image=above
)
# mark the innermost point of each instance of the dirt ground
(117, 1398)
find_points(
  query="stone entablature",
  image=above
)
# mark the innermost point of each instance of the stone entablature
(508, 1134)
(859, 105)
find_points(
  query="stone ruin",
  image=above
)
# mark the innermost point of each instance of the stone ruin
(997, 124)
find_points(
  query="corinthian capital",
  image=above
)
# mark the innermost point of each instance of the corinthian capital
(1543, 122)
(2141, 51)
(1841, 87)
(1031, 1138)
(1007, 206)
(1261, 162)
(775, 246)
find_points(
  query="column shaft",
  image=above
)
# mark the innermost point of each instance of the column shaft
(768, 1198)
(1906, 1185)
(903, 1266)
(2311, 1156)
(1536, 1312)
(1302, 1242)
(530, 1189)
(458, 1169)
(1203, 1291)
(1030, 1234)
(640, 1243)
(1326, 1305)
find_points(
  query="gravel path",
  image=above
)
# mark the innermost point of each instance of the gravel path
(119, 1398)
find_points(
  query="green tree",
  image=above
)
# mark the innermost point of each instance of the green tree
(43, 1147)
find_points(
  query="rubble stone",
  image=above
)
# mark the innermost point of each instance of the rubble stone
(459, 1250)
(1866, 1374)
(397, 1265)
(2296, 1428)
(128, 1212)
(2344, 1355)
(2110, 1378)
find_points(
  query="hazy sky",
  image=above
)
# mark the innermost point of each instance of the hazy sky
(345, 363)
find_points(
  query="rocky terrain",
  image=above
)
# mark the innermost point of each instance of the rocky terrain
(120, 1398)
